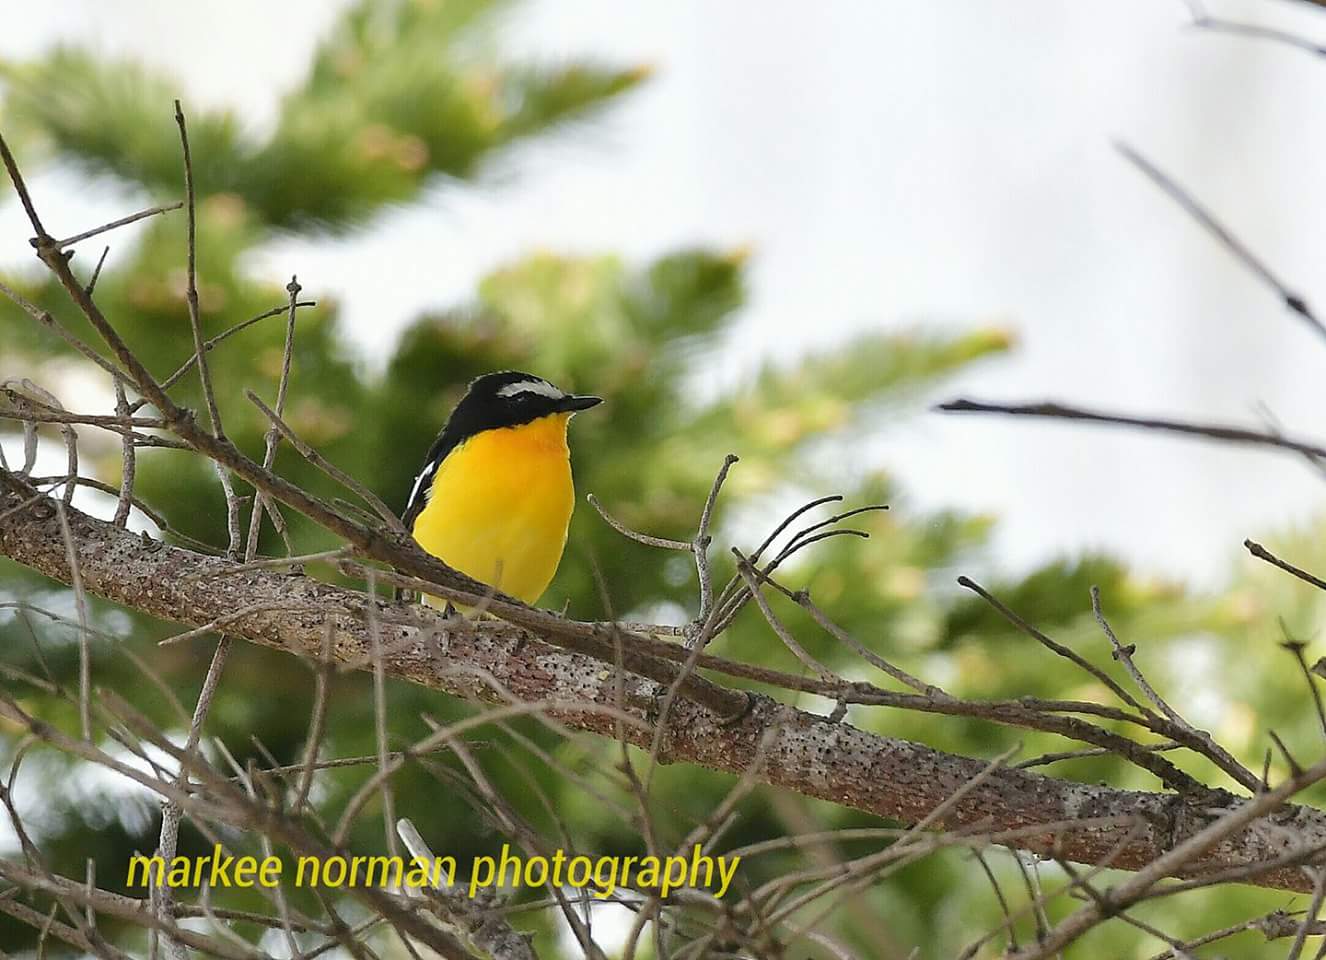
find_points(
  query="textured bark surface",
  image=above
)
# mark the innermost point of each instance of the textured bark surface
(800, 751)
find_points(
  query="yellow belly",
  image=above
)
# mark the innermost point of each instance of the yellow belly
(500, 505)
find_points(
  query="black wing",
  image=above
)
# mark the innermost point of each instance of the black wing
(442, 446)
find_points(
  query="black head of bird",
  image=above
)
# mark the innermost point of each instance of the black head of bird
(510, 398)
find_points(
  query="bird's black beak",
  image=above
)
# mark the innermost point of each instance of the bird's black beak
(576, 404)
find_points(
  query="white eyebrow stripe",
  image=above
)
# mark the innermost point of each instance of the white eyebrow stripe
(541, 387)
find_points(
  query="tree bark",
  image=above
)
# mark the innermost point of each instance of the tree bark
(796, 750)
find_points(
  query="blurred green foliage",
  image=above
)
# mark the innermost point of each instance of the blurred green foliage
(402, 95)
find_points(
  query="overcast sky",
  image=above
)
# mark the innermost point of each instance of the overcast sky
(889, 164)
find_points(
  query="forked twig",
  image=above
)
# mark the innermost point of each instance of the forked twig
(698, 546)
(1124, 654)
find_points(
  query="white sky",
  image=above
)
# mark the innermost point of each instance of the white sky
(891, 163)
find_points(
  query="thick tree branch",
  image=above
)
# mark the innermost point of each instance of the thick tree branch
(803, 752)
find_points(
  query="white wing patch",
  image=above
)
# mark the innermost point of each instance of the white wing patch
(541, 388)
(422, 485)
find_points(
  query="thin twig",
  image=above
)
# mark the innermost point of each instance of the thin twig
(491, 934)
(171, 815)
(999, 896)
(802, 598)
(84, 642)
(1261, 553)
(327, 467)
(191, 291)
(1310, 918)
(1048, 643)
(734, 596)
(648, 540)
(96, 272)
(272, 563)
(22, 189)
(226, 619)
(1233, 244)
(380, 712)
(317, 723)
(104, 487)
(1200, 20)
(25, 394)
(123, 221)
(45, 319)
(29, 410)
(744, 567)
(1061, 755)
(273, 437)
(1295, 649)
(1139, 884)
(128, 460)
(1274, 925)
(1059, 411)
(1124, 654)
(700, 545)
(184, 368)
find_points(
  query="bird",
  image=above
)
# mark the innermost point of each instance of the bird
(495, 495)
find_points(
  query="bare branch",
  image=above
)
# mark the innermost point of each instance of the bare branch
(1124, 654)
(80, 603)
(273, 436)
(1055, 647)
(121, 222)
(1261, 553)
(96, 272)
(703, 538)
(128, 459)
(888, 777)
(1058, 411)
(789, 641)
(646, 539)
(191, 291)
(11, 167)
(490, 934)
(326, 466)
(1226, 238)
(317, 723)
(211, 344)
(1190, 849)
(45, 319)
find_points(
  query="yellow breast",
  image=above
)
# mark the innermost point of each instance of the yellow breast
(499, 507)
